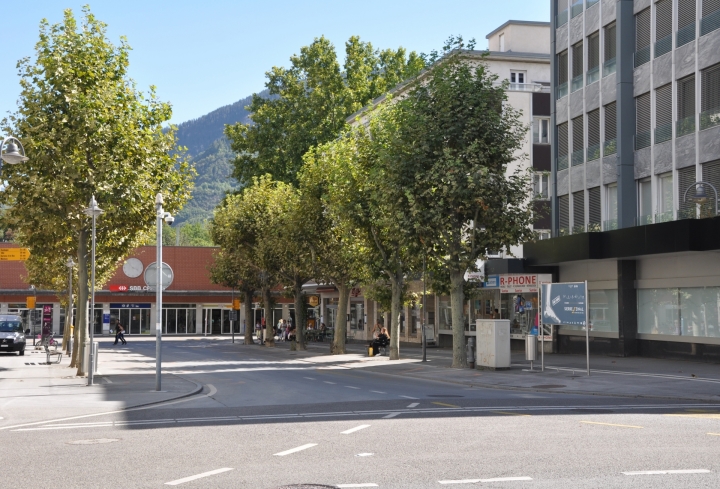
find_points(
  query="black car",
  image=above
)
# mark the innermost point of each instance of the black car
(12, 336)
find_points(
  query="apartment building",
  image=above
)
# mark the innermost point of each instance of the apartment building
(635, 171)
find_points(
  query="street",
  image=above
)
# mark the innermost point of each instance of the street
(269, 417)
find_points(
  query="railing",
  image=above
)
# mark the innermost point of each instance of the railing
(592, 75)
(685, 126)
(643, 56)
(593, 152)
(642, 140)
(644, 220)
(576, 84)
(527, 87)
(594, 227)
(610, 147)
(561, 18)
(580, 228)
(590, 3)
(710, 23)
(561, 91)
(685, 35)
(609, 67)
(710, 118)
(562, 163)
(578, 157)
(664, 217)
(576, 8)
(663, 133)
(690, 213)
(663, 46)
(610, 225)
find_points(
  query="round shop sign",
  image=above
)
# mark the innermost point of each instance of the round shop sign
(151, 276)
(313, 301)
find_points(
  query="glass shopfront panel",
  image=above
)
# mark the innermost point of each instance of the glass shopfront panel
(521, 310)
(686, 311)
(178, 318)
(445, 313)
(134, 318)
(357, 315)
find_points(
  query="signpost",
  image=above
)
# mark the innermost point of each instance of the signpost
(14, 254)
(566, 303)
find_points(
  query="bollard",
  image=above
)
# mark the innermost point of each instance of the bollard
(471, 352)
(96, 349)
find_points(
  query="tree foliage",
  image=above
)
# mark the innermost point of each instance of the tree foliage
(88, 131)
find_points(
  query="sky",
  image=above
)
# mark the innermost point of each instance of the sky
(202, 55)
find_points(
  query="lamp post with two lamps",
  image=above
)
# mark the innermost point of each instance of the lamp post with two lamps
(161, 216)
(93, 211)
(700, 195)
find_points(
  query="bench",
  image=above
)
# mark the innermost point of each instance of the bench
(52, 353)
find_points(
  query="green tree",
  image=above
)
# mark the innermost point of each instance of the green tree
(309, 102)
(88, 131)
(457, 137)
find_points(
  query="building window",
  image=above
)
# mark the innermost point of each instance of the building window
(562, 75)
(593, 61)
(562, 13)
(663, 114)
(542, 234)
(609, 64)
(685, 106)
(610, 145)
(686, 22)
(665, 198)
(710, 97)
(593, 148)
(686, 177)
(710, 174)
(577, 67)
(642, 37)
(541, 185)
(710, 16)
(562, 150)
(611, 208)
(642, 121)
(517, 80)
(578, 140)
(564, 214)
(578, 202)
(594, 210)
(663, 27)
(645, 211)
(686, 311)
(541, 129)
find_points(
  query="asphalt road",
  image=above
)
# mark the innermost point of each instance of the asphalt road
(268, 419)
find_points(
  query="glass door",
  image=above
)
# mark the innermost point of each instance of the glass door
(134, 321)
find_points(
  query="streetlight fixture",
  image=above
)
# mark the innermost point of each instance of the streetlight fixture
(93, 211)
(69, 314)
(161, 216)
(700, 194)
(12, 151)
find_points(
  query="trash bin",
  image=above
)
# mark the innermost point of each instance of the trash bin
(531, 347)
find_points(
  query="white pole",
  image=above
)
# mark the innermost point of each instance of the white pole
(541, 330)
(587, 327)
(158, 292)
(91, 367)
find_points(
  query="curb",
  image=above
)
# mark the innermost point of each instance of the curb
(197, 390)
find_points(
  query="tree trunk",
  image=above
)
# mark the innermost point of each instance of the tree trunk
(299, 315)
(338, 344)
(249, 319)
(68, 326)
(269, 326)
(457, 301)
(82, 304)
(396, 287)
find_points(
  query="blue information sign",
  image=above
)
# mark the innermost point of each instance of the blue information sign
(564, 304)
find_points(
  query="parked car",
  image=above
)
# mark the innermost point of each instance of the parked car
(12, 336)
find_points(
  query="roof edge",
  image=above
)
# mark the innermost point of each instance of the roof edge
(518, 22)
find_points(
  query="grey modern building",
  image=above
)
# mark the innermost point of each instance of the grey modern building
(636, 127)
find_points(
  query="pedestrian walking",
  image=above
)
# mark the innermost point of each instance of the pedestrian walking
(119, 334)
(281, 330)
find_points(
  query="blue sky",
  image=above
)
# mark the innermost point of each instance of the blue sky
(205, 54)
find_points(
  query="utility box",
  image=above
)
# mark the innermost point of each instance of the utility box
(493, 344)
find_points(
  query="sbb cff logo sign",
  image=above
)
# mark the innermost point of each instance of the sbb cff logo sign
(118, 288)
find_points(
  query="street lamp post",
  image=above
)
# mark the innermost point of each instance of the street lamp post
(700, 195)
(12, 151)
(69, 314)
(93, 211)
(160, 216)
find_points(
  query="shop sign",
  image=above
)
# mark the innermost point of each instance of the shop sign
(313, 301)
(129, 306)
(518, 283)
(492, 281)
(118, 288)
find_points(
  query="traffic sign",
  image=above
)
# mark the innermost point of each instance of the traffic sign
(14, 254)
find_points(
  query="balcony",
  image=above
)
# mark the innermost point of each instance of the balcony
(710, 23)
(561, 18)
(525, 87)
(592, 75)
(610, 225)
(685, 126)
(576, 83)
(663, 46)
(593, 152)
(610, 147)
(685, 35)
(710, 118)
(562, 163)
(561, 91)
(576, 9)
(609, 67)
(663, 133)
(664, 217)
(643, 56)
(642, 140)
(644, 220)
(578, 157)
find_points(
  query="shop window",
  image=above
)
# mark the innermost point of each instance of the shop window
(687, 311)
(445, 313)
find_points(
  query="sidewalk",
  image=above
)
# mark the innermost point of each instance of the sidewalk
(632, 377)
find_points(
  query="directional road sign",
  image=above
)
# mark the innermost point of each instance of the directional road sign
(14, 254)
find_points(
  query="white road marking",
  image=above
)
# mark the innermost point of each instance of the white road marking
(297, 449)
(665, 472)
(195, 477)
(365, 484)
(461, 481)
(353, 430)
(309, 378)
(379, 392)
(328, 382)
(107, 380)
(496, 479)
(414, 404)
(408, 397)
(351, 387)
(391, 415)
(364, 454)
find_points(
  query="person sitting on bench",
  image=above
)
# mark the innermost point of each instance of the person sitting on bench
(381, 341)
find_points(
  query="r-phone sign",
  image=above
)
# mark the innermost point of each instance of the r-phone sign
(564, 304)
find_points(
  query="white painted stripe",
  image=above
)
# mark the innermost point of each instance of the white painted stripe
(365, 484)
(107, 380)
(353, 430)
(309, 378)
(328, 382)
(414, 404)
(195, 477)
(665, 472)
(351, 387)
(496, 479)
(379, 392)
(408, 397)
(297, 449)
(461, 481)
(391, 415)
